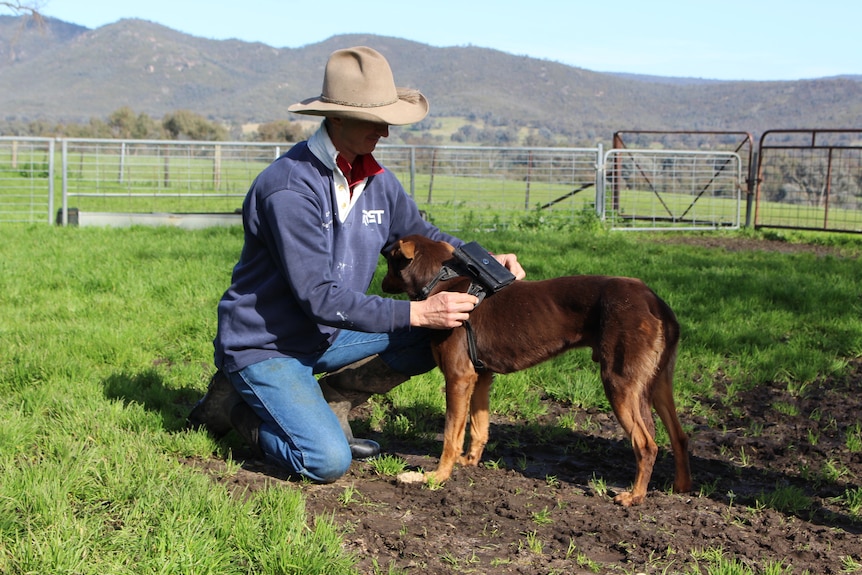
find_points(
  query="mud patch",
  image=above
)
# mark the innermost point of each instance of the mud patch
(773, 484)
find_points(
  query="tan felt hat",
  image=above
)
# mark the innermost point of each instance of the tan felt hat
(358, 84)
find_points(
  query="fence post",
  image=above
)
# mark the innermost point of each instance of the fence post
(65, 161)
(217, 167)
(122, 162)
(431, 178)
(751, 185)
(617, 172)
(50, 181)
(600, 182)
(828, 188)
(167, 179)
(413, 172)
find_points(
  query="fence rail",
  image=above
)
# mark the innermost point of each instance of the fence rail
(806, 179)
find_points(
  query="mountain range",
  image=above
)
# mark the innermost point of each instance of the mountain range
(62, 72)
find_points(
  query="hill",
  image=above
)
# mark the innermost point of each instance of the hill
(67, 73)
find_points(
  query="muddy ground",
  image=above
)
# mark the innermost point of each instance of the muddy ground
(771, 485)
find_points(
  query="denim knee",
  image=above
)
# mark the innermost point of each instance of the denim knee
(328, 465)
(324, 462)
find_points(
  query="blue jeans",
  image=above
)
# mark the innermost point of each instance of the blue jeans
(298, 430)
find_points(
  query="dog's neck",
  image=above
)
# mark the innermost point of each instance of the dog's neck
(448, 273)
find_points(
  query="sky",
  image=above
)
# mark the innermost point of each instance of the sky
(727, 40)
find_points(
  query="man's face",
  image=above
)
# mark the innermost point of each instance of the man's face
(355, 137)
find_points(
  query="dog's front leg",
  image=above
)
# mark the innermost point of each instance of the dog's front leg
(479, 418)
(458, 393)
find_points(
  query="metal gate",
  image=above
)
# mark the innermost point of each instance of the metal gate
(26, 179)
(671, 189)
(810, 179)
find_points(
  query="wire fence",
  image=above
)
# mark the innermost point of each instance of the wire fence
(672, 189)
(806, 179)
(810, 179)
(456, 187)
(26, 180)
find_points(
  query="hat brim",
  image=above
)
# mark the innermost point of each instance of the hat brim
(397, 114)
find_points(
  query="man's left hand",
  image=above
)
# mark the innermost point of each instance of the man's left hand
(511, 263)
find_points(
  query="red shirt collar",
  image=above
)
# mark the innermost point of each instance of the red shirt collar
(363, 167)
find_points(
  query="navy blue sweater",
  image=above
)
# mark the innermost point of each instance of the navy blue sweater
(303, 274)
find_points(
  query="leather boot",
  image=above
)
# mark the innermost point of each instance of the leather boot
(214, 410)
(351, 386)
(247, 424)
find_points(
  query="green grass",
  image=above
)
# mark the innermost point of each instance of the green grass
(664, 204)
(106, 337)
(106, 340)
(715, 562)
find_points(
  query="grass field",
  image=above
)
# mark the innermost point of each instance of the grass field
(106, 339)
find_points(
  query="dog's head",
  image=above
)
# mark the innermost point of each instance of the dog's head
(413, 262)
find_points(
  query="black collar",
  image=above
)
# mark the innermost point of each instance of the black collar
(449, 273)
(476, 289)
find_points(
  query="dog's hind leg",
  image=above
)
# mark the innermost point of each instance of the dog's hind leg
(664, 405)
(628, 366)
(629, 411)
(479, 418)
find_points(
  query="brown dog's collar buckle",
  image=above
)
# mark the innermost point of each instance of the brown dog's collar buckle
(478, 290)
(445, 273)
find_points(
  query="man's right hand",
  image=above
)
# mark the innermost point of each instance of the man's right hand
(444, 310)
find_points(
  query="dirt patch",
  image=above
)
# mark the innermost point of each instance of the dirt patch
(771, 484)
(773, 474)
(739, 244)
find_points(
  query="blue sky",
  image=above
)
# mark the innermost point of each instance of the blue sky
(728, 40)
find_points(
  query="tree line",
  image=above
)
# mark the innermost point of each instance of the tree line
(125, 123)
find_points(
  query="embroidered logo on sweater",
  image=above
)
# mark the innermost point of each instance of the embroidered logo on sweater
(370, 217)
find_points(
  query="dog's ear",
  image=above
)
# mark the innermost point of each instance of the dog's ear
(408, 248)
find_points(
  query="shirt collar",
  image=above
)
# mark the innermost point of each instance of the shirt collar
(322, 147)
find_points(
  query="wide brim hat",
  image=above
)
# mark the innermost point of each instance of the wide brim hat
(358, 84)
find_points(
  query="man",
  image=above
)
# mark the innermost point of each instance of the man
(315, 222)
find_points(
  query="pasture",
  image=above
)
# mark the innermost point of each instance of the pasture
(106, 337)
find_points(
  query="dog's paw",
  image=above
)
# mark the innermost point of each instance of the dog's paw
(627, 499)
(411, 477)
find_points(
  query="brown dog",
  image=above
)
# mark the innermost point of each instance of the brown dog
(632, 332)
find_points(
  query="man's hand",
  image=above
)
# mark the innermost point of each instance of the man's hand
(444, 310)
(510, 261)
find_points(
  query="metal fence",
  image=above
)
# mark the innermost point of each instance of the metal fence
(806, 179)
(26, 180)
(114, 181)
(672, 189)
(159, 177)
(810, 179)
(469, 187)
